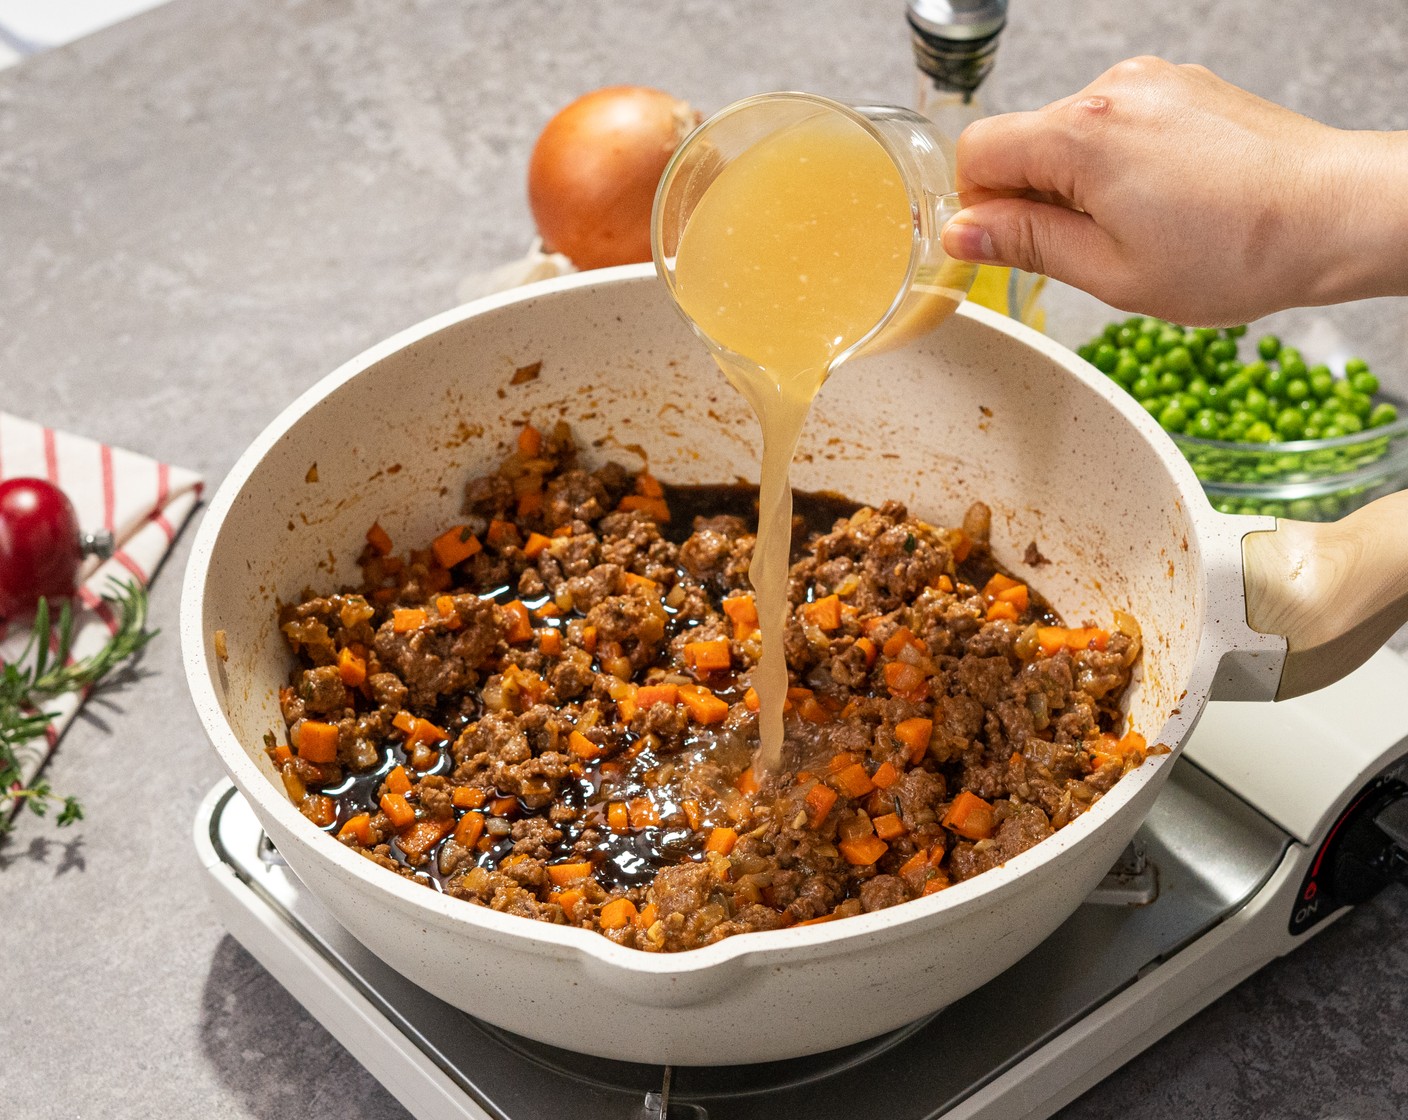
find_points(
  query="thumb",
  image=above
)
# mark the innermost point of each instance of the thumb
(1039, 237)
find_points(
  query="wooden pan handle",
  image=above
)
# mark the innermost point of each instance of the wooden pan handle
(1336, 591)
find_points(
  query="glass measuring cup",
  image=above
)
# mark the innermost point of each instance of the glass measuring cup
(924, 292)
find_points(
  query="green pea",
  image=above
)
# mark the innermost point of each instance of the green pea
(1382, 414)
(1179, 360)
(1297, 389)
(1333, 431)
(1191, 402)
(1087, 352)
(1144, 387)
(1205, 425)
(1259, 432)
(1105, 357)
(1256, 371)
(1275, 382)
(1312, 431)
(1111, 331)
(1170, 382)
(1222, 350)
(1290, 424)
(1125, 336)
(1288, 354)
(1355, 365)
(1173, 418)
(1350, 423)
(1343, 390)
(1294, 367)
(1302, 509)
(1257, 403)
(1236, 386)
(1169, 337)
(1198, 387)
(1228, 368)
(1363, 382)
(1268, 346)
(1153, 405)
(1361, 404)
(1237, 331)
(1143, 347)
(1322, 382)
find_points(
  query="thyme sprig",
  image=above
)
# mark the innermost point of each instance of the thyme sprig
(42, 672)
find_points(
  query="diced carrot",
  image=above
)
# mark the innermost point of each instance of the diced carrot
(529, 505)
(896, 642)
(1019, 596)
(648, 695)
(317, 741)
(589, 638)
(568, 899)
(282, 755)
(378, 539)
(902, 678)
(842, 760)
(889, 826)
(995, 586)
(398, 810)
(358, 827)
(743, 613)
(914, 863)
(503, 806)
(407, 618)
(501, 534)
(1133, 745)
(467, 797)
(417, 840)
(721, 840)
(403, 721)
(417, 730)
(1003, 610)
(618, 818)
(398, 781)
(656, 508)
(853, 781)
(520, 626)
(1088, 637)
(819, 800)
(938, 883)
(863, 850)
(824, 613)
(943, 583)
(583, 747)
(530, 442)
(867, 647)
(703, 705)
(969, 816)
(747, 783)
(564, 873)
(708, 656)
(533, 547)
(351, 668)
(649, 486)
(817, 921)
(549, 641)
(813, 711)
(693, 814)
(751, 700)
(647, 916)
(915, 734)
(469, 829)
(616, 914)
(455, 545)
(962, 546)
(1051, 640)
(642, 812)
(886, 775)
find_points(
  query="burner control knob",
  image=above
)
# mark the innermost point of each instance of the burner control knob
(1365, 851)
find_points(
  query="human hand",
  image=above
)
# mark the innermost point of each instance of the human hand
(1165, 190)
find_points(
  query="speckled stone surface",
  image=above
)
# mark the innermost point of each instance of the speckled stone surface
(206, 208)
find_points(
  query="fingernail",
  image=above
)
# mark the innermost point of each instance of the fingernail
(968, 241)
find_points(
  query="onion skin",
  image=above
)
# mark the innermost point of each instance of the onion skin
(594, 170)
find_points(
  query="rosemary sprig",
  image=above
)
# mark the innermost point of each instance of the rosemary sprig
(40, 673)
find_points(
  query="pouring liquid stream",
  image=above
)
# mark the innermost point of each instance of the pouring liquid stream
(796, 252)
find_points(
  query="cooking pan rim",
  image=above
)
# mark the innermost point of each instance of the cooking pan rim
(770, 947)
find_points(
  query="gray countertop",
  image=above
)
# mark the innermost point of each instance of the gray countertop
(204, 209)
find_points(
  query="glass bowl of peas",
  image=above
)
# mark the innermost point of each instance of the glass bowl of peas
(1265, 432)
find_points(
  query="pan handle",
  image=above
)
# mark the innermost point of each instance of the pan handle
(1335, 590)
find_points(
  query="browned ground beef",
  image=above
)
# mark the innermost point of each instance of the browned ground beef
(929, 737)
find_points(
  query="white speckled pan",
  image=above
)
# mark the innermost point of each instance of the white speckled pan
(982, 409)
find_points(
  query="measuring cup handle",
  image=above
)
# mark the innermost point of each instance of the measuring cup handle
(1335, 590)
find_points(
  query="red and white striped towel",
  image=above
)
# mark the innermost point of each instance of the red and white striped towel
(143, 504)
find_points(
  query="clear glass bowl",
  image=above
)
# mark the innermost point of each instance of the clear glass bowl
(1309, 479)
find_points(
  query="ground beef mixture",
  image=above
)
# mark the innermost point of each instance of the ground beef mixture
(547, 711)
